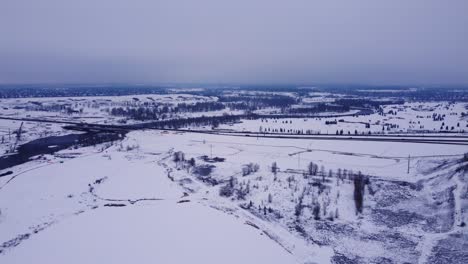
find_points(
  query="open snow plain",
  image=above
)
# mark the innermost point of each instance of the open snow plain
(175, 197)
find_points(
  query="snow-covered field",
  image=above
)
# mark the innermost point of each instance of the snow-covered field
(186, 197)
(50, 214)
(406, 118)
(410, 117)
(144, 200)
(89, 109)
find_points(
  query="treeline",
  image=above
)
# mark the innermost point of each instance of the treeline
(213, 121)
(244, 102)
(64, 108)
(161, 112)
(139, 113)
(20, 91)
(198, 107)
(364, 103)
(319, 108)
(452, 93)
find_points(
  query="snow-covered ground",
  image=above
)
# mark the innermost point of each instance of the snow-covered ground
(406, 118)
(134, 202)
(90, 109)
(177, 197)
(162, 232)
(63, 220)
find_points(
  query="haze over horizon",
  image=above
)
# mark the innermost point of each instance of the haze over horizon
(375, 42)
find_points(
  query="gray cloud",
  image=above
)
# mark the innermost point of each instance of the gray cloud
(366, 41)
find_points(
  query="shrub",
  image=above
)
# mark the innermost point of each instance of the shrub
(226, 190)
(203, 170)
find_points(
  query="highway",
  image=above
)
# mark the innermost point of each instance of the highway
(448, 138)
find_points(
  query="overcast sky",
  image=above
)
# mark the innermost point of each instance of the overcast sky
(241, 41)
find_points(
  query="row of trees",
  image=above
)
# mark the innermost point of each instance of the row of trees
(163, 111)
(318, 108)
(258, 101)
(62, 108)
(213, 121)
(50, 90)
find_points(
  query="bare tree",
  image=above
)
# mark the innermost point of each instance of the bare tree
(359, 183)
(312, 168)
(299, 206)
(322, 172)
(316, 210)
(274, 168)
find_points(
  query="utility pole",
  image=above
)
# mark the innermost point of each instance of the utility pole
(211, 151)
(409, 157)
